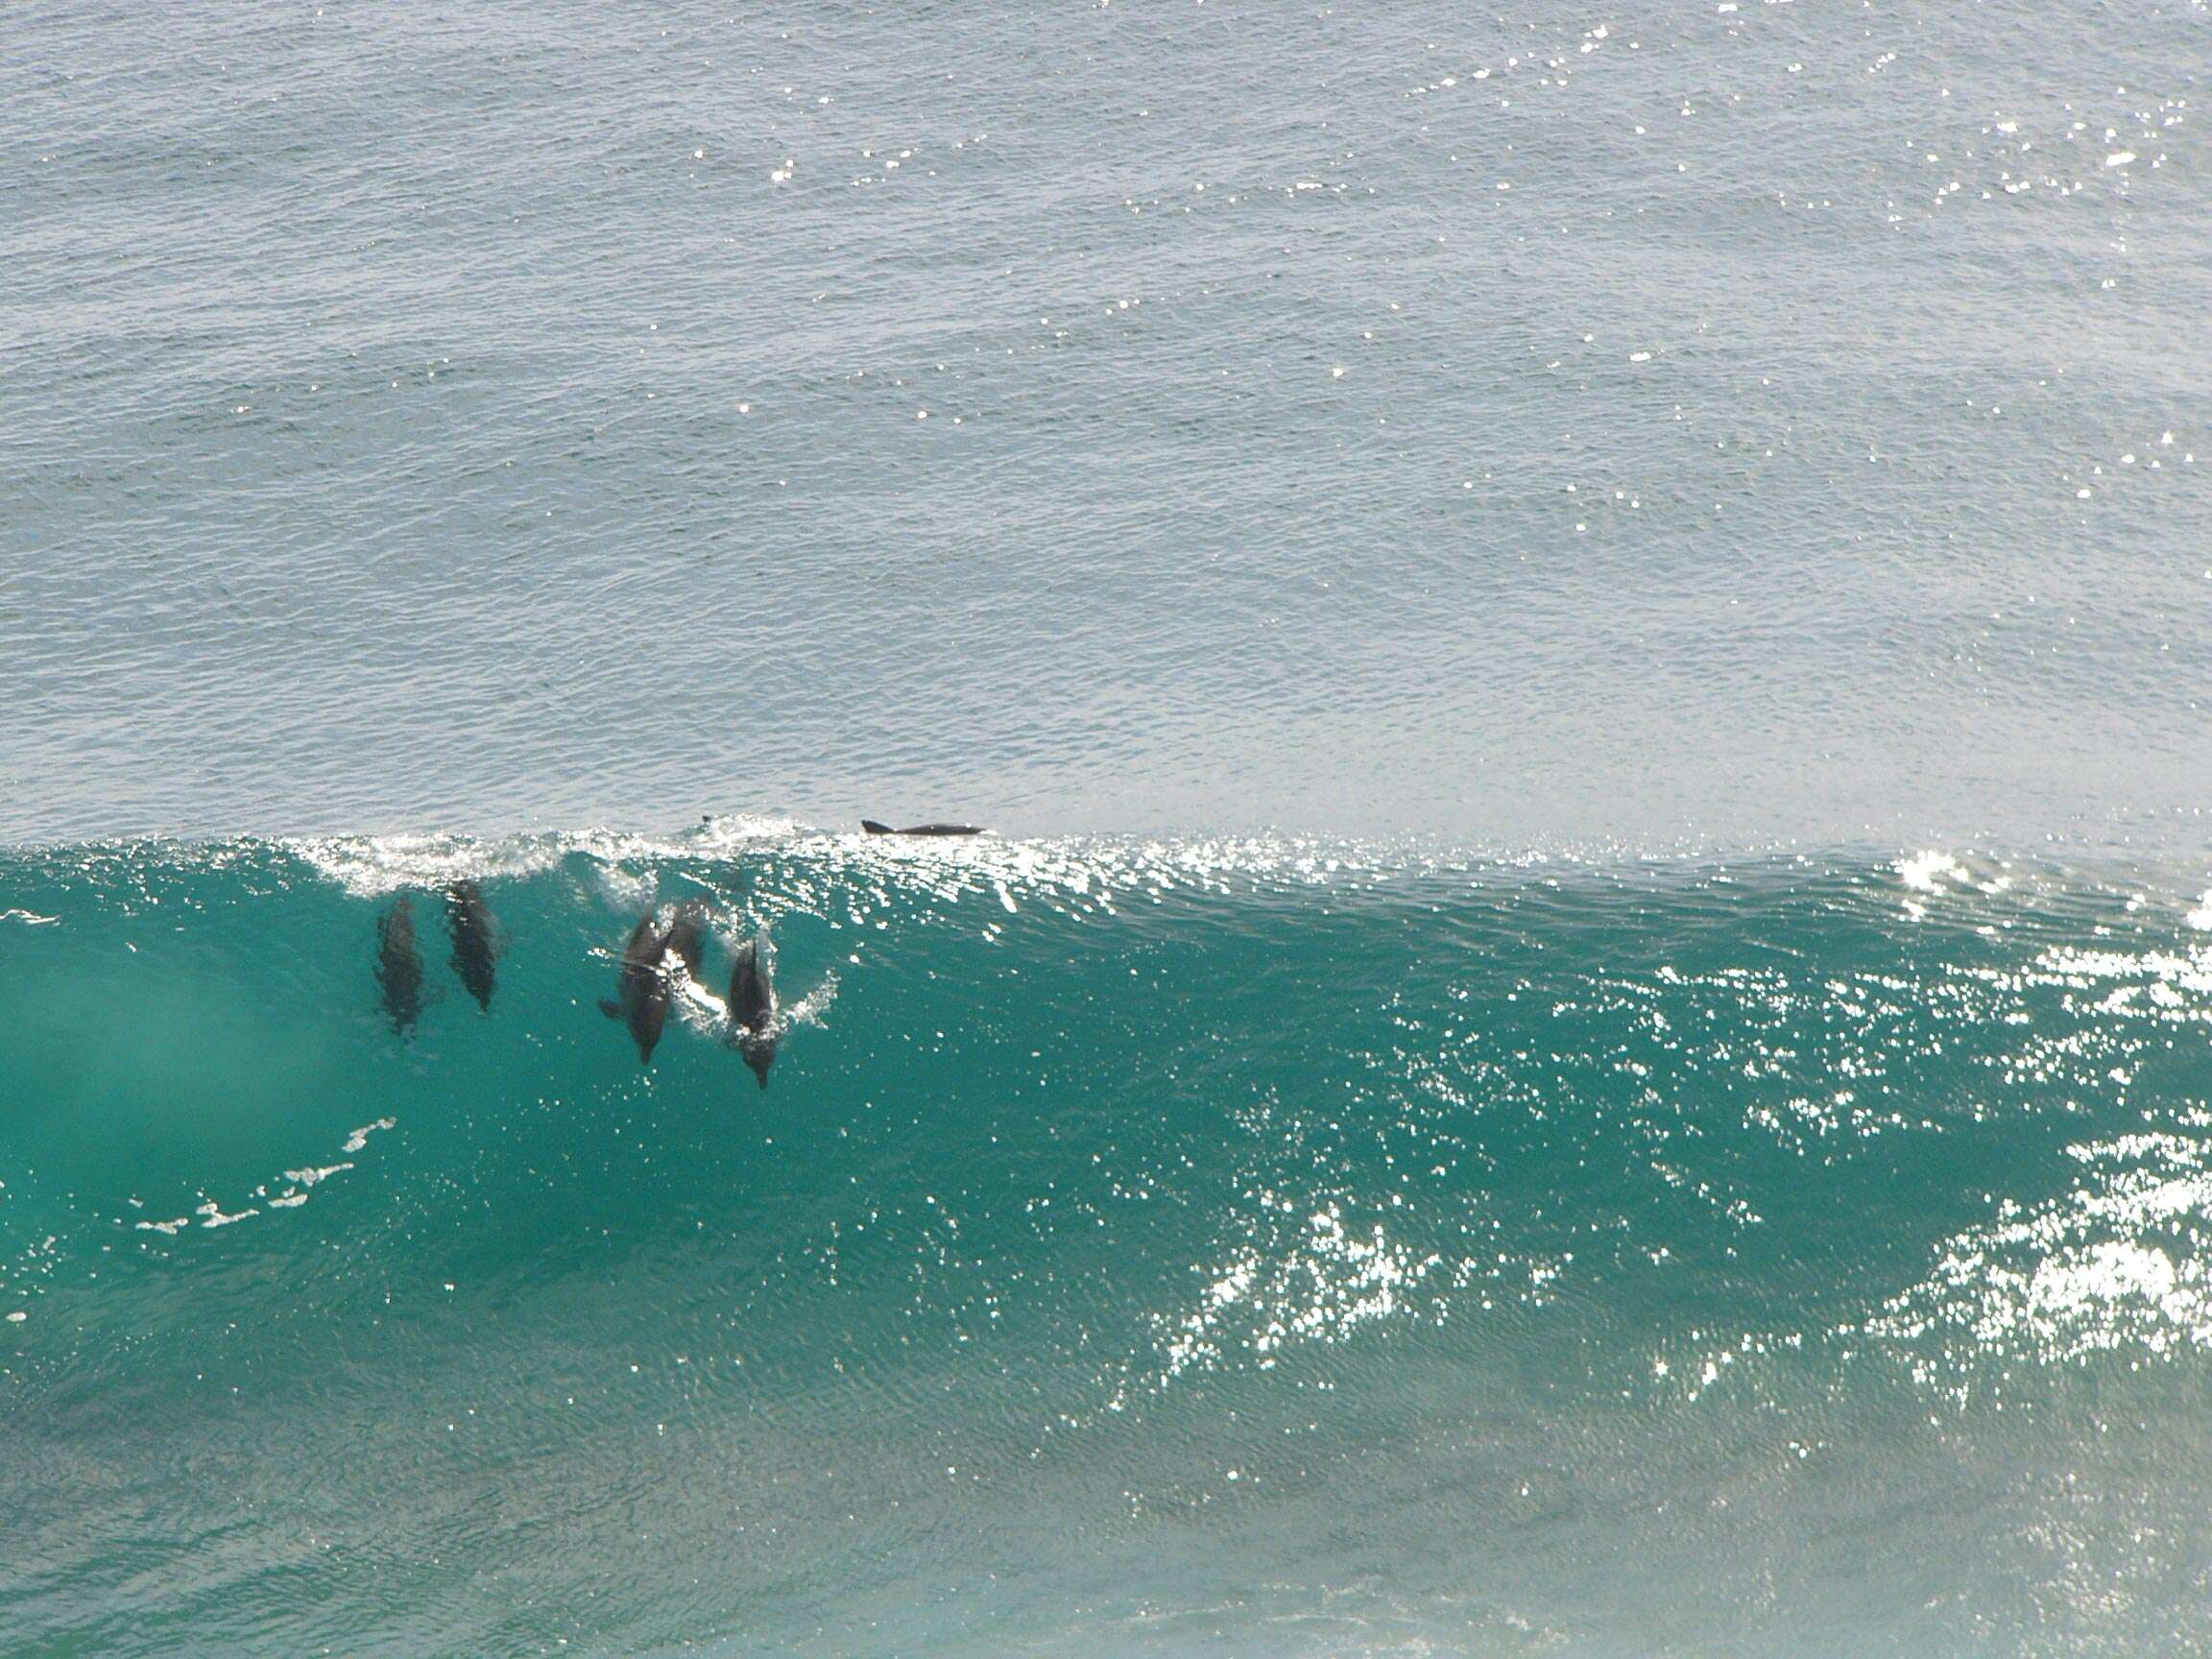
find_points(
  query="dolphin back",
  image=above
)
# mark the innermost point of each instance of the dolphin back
(643, 984)
(645, 944)
(687, 935)
(475, 940)
(753, 986)
(753, 1004)
(399, 965)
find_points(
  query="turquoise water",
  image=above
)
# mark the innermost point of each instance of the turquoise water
(1141, 1247)
(1585, 632)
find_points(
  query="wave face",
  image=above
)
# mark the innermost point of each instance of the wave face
(1138, 1248)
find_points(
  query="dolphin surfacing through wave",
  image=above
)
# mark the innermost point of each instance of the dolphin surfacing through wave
(753, 1004)
(642, 999)
(874, 829)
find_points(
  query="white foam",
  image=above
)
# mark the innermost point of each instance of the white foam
(809, 1008)
(369, 866)
(359, 1139)
(696, 1005)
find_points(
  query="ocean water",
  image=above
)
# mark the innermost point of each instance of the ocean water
(1585, 631)
(1142, 1247)
(1785, 423)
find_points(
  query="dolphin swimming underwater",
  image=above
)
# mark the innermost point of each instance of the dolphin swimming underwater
(753, 1004)
(874, 829)
(475, 940)
(688, 934)
(400, 966)
(642, 988)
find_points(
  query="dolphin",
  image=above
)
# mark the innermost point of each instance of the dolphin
(688, 934)
(644, 986)
(399, 966)
(475, 939)
(874, 829)
(753, 1004)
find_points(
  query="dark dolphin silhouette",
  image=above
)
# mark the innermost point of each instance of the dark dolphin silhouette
(475, 940)
(753, 1004)
(400, 966)
(642, 988)
(874, 829)
(688, 934)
